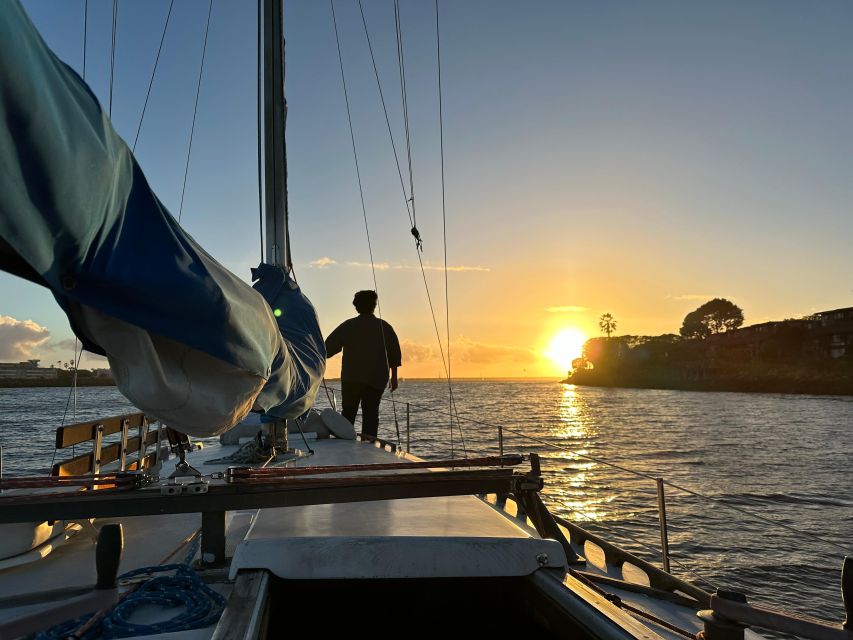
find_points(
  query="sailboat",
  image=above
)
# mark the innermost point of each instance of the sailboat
(351, 534)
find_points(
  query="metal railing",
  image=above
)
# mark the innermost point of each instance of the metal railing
(726, 610)
(501, 431)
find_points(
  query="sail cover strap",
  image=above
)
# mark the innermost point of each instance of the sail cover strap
(188, 341)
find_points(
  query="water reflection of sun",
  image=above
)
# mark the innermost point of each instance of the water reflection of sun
(572, 418)
(579, 494)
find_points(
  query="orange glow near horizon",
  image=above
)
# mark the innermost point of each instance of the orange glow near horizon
(565, 346)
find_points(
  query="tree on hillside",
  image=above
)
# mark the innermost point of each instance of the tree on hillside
(715, 316)
(607, 324)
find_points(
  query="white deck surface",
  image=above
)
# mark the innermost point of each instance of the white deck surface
(420, 537)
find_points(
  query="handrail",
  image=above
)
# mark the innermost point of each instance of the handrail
(616, 557)
(101, 454)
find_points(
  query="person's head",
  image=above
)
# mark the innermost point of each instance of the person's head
(365, 301)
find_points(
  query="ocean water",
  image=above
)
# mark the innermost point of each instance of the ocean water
(781, 457)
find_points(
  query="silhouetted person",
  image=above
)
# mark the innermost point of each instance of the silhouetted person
(370, 349)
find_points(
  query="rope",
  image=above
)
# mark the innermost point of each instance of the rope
(185, 589)
(328, 395)
(153, 73)
(385, 111)
(405, 102)
(363, 206)
(201, 605)
(444, 222)
(409, 211)
(113, 55)
(195, 110)
(71, 391)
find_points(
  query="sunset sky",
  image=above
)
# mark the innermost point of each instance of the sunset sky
(622, 157)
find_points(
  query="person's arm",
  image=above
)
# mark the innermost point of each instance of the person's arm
(335, 341)
(395, 356)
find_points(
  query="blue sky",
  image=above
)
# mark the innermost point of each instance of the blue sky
(632, 158)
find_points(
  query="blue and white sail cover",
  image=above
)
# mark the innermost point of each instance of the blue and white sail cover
(188, 341)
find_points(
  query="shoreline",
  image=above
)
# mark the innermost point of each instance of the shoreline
(770, 384)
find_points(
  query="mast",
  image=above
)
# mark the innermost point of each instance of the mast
(277, 241)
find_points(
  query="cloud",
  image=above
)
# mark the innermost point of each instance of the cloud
(326, 261)
(468, 350)
(379, 266)
(18, 338)
(569, 309)
(416, 353)
(461, 267)
(322, 263)
(69, 344)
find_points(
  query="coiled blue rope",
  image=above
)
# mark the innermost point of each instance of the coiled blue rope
(201, 606)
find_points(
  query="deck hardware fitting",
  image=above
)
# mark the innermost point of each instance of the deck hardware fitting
(542, 559)
(664, 534)
(180, 445)
(719, 627)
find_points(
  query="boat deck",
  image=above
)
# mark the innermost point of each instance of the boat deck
(388, 540)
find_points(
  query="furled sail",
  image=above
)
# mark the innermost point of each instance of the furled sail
(188, 341)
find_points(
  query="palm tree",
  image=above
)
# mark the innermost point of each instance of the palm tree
(607, 323)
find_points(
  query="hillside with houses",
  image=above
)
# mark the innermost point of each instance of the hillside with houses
(813, 354)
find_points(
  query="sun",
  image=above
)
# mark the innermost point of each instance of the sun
(565, 346)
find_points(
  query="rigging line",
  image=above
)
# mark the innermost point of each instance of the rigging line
(332, 403)
(441, 351)
(259, 116)
(195, 111)
(71, 391)
(402, 184)
(405, 102)
(444, 215)
(385, 111)
(113, 56)
(361, 196)
(153, 73)
(85, 33)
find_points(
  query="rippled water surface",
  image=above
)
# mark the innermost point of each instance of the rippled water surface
(786, 458)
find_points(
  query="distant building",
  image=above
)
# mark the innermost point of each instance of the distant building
(837, 331)
(827, 334)
(29, 370)
(102, 373)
